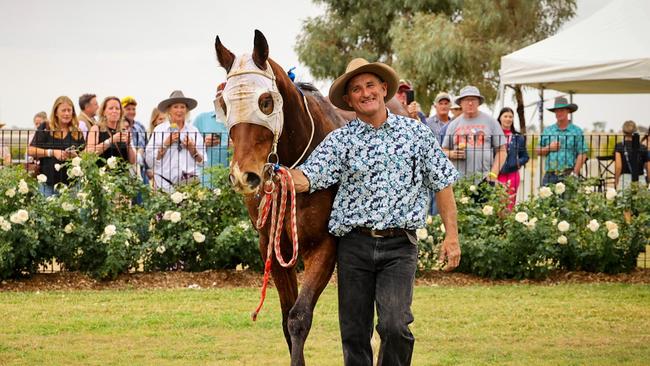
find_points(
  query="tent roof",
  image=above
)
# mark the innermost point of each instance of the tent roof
(606, 53)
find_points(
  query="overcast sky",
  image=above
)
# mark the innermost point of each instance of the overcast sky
(149, 48)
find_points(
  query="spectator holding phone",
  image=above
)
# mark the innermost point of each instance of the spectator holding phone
(406, 95)
(111, 137)
(56, 141)
(215, 137)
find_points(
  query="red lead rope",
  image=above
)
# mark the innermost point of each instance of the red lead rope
(270, 204)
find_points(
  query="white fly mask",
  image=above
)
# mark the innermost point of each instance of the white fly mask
(245, 84)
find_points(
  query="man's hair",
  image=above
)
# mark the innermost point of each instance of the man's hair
(347, 83)
(85, 99)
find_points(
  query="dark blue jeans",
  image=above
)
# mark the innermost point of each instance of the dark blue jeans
(376, 272)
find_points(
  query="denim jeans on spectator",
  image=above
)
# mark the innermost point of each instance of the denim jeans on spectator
(47, 190)
(377, 271)
(552, 178)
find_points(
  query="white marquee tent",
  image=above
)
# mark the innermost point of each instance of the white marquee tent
(607, 53)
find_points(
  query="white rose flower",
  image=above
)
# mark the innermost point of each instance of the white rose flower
(563, 226)
(244, 225)
(611, 225)
(421, 233)
(82, 196)
(76, 172)
(111, 162)
(10, 192)
(589, 189)
(442, 228)
(560, 188)
(464, 200)
(198, 237)
(531, 223)
(69, 228)
(545, 192)
(177, 197)
(102, 171)
(110, 230)
(472, 188)
(613, 234)
(521, 217)
(161, 249)
(19, 217)
(23, 188)
(217, 192)
(429, 220)
(126, 243)
(167, 215)
(554, 222)
(66, 206)
(430, 239)
(76, 161)
(488, 210)
(593, 225)
(41, 178)
(5, 226)
(175, 217)
(562, 240)
(611, 194)
(57, 167)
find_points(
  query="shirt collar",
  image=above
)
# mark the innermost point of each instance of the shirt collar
(388, 123)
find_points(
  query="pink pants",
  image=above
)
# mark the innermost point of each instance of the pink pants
(511, 181)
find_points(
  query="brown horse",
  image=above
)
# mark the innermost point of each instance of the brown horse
(252, 143)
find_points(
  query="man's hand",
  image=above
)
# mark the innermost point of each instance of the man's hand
(554, 146)
(457, 154)
(450, 251)
(300, 181)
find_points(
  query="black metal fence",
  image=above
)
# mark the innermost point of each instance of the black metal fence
(165, 160)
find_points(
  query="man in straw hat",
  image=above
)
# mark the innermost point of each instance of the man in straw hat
(563, 144)
(175, 149)
(384, 165)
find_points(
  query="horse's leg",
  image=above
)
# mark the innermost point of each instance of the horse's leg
(286, 284)
(319, 263)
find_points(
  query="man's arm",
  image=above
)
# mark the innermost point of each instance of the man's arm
(580, 161)
(450, 249)
(499, 160)
(300, 180)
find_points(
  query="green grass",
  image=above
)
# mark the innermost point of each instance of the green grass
(599, 324)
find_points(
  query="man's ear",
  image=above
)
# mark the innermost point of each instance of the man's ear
(385, 86)
(346, 99)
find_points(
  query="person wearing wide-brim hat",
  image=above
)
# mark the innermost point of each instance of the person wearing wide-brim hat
(384, 166)
(175, 149)
(563, 144)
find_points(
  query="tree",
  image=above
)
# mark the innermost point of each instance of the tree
(438, 45)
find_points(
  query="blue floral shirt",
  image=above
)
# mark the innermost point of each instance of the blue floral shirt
(383, 174)
(572, 143)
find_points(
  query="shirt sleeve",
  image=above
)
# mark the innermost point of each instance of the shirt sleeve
(447, 133)
(584, 148)
(498, 137)
(40, 137)
(438, 172)
(324, 166)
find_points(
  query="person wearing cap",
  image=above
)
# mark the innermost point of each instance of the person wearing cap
(441, 117)
(215, 136)
(471, 139)
(413, 109)
(138, 133)
(627, 158)
(384, 166)
(88, 106)
(563, 144)
(175, 149)
(456, 111)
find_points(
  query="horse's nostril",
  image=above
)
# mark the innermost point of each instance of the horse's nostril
(252, 179)
(232, 179)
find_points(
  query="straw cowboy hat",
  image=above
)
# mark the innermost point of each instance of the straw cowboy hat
(469, 91)
(361, 66)
(2, 124)
(177, 97)
(562, 102)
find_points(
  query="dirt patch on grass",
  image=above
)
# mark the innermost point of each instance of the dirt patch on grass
(230, 278)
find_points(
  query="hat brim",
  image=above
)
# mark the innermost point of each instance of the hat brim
(480, 97)
(384, 72)
(571, 107)
(189, 102)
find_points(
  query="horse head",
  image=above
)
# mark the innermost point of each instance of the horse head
(251, 106)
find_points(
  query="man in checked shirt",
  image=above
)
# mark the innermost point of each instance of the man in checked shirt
(384, 165)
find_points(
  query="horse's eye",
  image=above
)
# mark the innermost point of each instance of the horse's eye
(266, 103)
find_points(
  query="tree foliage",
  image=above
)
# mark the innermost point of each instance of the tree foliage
(438, 45)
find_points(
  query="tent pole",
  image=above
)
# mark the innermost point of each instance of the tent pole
(571, 102)
(541, 109)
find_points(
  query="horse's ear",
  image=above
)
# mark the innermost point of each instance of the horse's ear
(225, 57)
(260, 50)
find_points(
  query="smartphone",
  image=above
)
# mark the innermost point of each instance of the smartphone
(410, 97)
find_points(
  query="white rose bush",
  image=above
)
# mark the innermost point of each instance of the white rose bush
(571, 226)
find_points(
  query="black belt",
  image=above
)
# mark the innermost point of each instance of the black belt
(386, 233)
